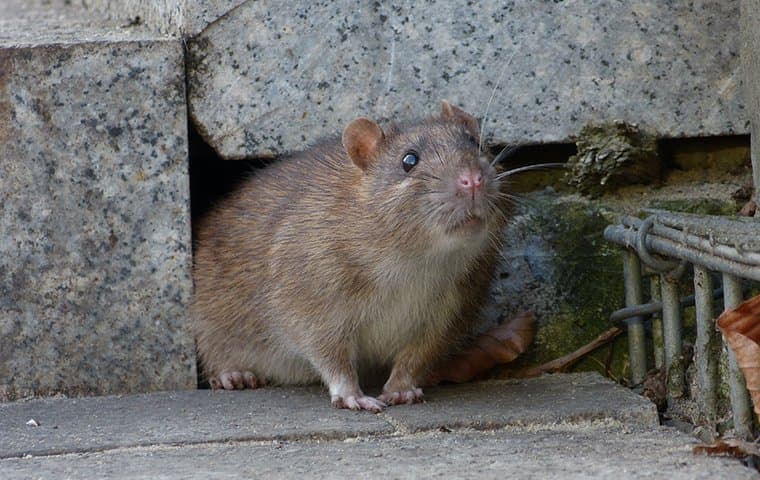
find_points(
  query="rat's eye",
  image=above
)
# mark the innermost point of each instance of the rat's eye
(409, 161)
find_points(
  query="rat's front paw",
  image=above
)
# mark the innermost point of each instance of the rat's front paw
(355, 402)
(401, 397)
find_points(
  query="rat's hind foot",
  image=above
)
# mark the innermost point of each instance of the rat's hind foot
(355, 402)
(235, 381)
(404, 397)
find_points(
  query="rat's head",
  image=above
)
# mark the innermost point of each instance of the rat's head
(428, 180)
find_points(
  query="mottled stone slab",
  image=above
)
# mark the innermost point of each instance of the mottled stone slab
(546, 400)
(199, 14)
(41, 22)
(750, 55)
(292, 413)
(200, 416)
(601, 451)
(273, 76)
(95, 250)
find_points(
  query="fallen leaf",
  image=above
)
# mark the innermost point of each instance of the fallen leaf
(749, 208)
(728, 447)
(501, 344)
(741, 329)
(656, 389)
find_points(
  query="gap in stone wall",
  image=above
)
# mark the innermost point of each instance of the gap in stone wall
(725, 151)
(536, 154)
(211, 177)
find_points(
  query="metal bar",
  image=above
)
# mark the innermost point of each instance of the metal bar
(672, 329)
(657, 335)
(656, 306)
(746, 254)
(741, 405)
(636, 334)
(740, 244)
(627, 237)
(707, 347)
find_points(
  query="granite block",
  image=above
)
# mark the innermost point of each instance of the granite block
(42, 22)
(750, 55)
(200, 13)
(95, 246)
(269, 77)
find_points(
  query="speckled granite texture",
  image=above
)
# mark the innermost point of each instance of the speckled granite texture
(272, 76)
(200, 13)
(95, 243)
(750, 54)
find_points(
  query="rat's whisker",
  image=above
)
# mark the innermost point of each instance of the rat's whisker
(488, 105)
(530, 168)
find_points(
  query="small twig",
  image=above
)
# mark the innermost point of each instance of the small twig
(563, 363)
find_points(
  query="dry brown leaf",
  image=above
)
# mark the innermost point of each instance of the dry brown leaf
(749, 208)
(729, 447)
(741, 329)
(501, 344)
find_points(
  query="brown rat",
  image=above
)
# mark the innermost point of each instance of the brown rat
(369, 252)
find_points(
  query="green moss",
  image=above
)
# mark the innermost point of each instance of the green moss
(587, 278)
(704, 206)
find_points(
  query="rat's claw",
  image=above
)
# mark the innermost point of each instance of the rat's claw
(353, 402)
(402, 397)
(235, 381)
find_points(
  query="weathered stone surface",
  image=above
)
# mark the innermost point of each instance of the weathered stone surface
(750, 55)
(292, 413)
(537, 401)
(200, 13)
(199, 416)
(94, 210)
(566, 452)
(273, 76)
(41, 22)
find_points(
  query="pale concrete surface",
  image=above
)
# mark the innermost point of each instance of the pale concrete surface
(562, 426)
(565, 452)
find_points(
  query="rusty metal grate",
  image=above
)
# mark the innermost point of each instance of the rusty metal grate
(716, 247)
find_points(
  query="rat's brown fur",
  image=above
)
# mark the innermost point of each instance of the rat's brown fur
(320, 268)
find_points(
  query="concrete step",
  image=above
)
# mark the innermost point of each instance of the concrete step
(574, 425)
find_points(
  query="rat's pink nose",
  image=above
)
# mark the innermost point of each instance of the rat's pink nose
(470, 180)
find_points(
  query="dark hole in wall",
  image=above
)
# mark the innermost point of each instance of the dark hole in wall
(726, 151)
(536, 154)
(212, 177)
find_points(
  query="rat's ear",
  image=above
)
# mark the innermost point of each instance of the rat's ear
(361, 138)
(455, 113)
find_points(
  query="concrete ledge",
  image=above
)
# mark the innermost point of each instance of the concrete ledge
(101, 423)
(545, 400)
(588, 451)
(562, 426)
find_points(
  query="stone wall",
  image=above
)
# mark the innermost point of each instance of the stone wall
(95, 249)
